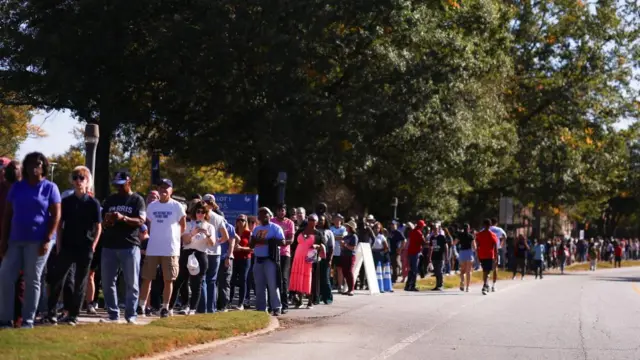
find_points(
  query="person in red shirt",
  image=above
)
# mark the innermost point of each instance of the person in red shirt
(487, 249)
(416, 241)
(617, 251)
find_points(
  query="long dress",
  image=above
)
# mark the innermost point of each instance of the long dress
(301, 270)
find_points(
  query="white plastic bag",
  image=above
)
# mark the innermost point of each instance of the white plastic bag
(193, 265)
(312, 256)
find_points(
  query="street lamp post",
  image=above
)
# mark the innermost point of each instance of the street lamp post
(91, 138)
(53, 167)
(282, 184)
(394, 205)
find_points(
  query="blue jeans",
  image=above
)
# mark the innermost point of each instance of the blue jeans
(209, 295)
(264, 275)
(129, 261)
(21, 256)
(413, 272)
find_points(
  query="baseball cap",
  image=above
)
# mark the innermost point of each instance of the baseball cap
(209, 197)
(121, 177)
(370, 217)
(339, 216)
(313, 217)
(167, 182)
(265, 209)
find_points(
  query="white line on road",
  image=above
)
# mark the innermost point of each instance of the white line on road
(413, 338)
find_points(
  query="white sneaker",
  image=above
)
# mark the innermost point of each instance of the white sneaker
(91, 310)
(191, 312)
(132, 321)
(493, 288)
(185, 311)
(241, 308)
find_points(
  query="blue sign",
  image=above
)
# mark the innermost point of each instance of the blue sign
(233, 205)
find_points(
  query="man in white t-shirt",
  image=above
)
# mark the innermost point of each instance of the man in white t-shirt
(167, 222)
(502, 237)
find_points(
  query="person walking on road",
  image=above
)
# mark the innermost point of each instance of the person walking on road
(416, 242)
(487, 252)
(502, 237)
(467, 251)
(438, 251)
(80, 228)
(618, 255)
(594, 254)
(538, 257)
(339, 231)
(521, 250)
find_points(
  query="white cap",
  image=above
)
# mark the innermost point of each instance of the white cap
(209, 197)
(370, 217)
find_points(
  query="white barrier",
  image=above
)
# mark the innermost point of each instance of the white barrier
(365, 256)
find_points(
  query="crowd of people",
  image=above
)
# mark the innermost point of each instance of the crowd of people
(159, 256)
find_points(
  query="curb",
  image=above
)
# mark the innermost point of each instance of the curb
(274, 324)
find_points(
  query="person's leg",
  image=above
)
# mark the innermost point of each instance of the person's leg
(243, 276)
(68, 288)
(437, 269)
(149, 272)
(170, 268)
(212, 283)
(495, 272)
(57, 278)
(34, 264)
(182, 280)
(468, 269)
(131, 273)
(195, 282)
(109, 270)
(523, 266)
(259, 276)
(83, 264)
(347, 272)
(395, 264)
(272, 283)
(9, 272)
(285, 272)
(339, 277)
(224, 284)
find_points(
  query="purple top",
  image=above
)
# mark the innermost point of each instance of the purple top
(30, 204)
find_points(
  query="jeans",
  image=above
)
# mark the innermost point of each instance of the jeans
(224, 284)
(285, 272)
(129, 261)
(324, 274)
(21, 256)
(521, 263)
(264, 275)
(240, 274)
(396, 267)
(68, 257)
(438, 264)
(538, 267)
(185, 279)
(413, 272)
(210, 286)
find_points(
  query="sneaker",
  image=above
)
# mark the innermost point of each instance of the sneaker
(140, 312)
(467, 290)
(191, 312)
(71, 321)
(132, 321)
(149, 312)
(493, 288)
(164, 313)
(309, 307)
(91, 310)
(241, 308)
(50, 319)
(184, 311)
(110, 321)
(277, 313)
(436, 289)
(484, 291)
(461, 287)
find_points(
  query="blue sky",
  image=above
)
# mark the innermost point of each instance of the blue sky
(58, 125)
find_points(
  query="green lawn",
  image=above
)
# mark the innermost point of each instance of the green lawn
(115, 341)
(453, 281)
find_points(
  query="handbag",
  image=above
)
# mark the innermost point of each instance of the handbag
(193, 265)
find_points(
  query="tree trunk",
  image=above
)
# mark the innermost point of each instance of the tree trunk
(537, 221)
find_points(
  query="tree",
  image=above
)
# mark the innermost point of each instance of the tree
(15, 128)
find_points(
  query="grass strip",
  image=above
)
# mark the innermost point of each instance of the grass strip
(120, 341)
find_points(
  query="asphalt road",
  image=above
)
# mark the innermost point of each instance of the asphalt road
(575, 316)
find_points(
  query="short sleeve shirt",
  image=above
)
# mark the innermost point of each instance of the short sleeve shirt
(30, 204)
(79, 217)
(270, 232)
(164, 238)
(217, 221)
(122, 235)
(288, 227)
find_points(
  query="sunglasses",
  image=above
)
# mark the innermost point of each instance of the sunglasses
(78, 177)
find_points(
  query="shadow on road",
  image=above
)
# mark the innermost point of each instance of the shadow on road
(618, 278)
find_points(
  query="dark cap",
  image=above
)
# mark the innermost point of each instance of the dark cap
(281, 206)
(121, 177)
(167, 182)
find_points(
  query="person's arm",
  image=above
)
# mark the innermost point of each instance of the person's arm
(430, 252)
(59, 235)
(233, 240)
(97, 226)
(224, 234)
(183, 224)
